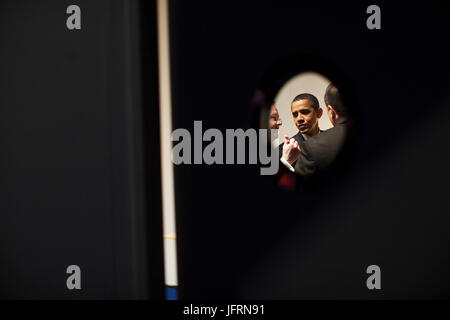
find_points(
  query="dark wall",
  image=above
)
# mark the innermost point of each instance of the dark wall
(72, 164)
(241, 237)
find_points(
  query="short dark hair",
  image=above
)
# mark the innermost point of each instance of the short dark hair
(333, 98)
(312, 100)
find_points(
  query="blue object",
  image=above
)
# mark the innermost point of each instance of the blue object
(171, 293)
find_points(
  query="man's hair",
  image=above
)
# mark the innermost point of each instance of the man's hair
(333, 98)
(312, 100)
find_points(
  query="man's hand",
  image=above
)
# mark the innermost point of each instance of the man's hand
(291, 150)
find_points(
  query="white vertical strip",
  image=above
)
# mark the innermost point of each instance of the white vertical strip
(167, 176)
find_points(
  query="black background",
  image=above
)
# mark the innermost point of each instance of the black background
(73, 164)
(241, 237)
(80, 152)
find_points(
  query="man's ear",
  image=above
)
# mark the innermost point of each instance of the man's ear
(333, 112)
(319, 112)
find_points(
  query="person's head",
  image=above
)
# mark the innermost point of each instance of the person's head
(335, 106)
(274, 118)
(306, 113)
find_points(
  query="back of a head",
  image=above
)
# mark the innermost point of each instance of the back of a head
(333, 98)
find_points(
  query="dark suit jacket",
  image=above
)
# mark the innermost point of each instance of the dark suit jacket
(319, 152)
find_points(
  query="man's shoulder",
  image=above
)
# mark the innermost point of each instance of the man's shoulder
(325, 146)
(333, 134)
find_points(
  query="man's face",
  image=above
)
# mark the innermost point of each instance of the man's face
(274, 118)
(306, 119)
